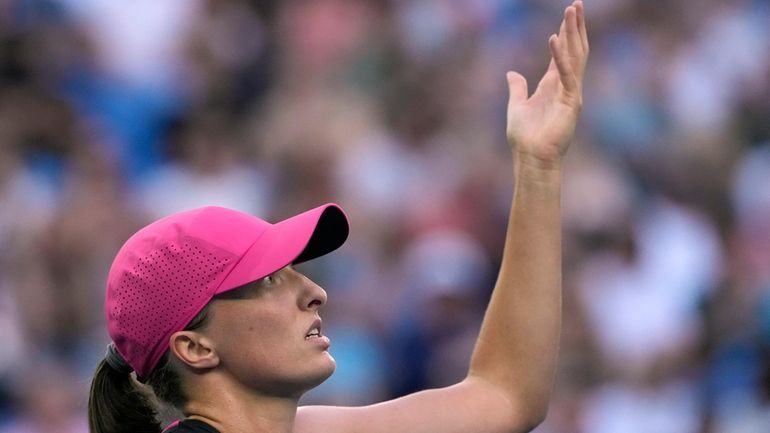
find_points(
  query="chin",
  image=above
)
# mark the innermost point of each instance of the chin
(293, 382)
(310, 377)
(324, 371)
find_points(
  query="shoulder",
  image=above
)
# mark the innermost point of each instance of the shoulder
(190, 426)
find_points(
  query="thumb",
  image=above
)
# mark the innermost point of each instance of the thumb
(517, 87)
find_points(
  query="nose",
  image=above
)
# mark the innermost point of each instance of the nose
(313, 296)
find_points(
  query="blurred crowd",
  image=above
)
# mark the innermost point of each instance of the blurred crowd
(114, 113)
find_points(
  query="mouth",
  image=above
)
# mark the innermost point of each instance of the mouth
(314, 331)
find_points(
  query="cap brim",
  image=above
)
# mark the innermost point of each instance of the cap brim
(295, 240)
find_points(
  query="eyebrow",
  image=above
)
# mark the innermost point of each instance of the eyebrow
(248, 290)
(241, 292)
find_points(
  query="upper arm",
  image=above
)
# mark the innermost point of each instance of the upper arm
(472, 406)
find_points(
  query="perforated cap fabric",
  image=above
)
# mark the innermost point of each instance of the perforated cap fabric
(169, 270)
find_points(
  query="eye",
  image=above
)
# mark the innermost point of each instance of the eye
(267, 280)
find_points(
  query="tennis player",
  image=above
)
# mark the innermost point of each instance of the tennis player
(205, 307)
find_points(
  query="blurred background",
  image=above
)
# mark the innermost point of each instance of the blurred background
(114, 113)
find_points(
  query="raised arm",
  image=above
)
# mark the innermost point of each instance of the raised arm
(512, 368)
(517, 348)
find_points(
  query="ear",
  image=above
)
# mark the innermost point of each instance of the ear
(193, 349)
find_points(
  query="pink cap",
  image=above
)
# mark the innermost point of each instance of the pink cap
(168, 271)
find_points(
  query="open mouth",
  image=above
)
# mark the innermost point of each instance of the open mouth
(315, 330)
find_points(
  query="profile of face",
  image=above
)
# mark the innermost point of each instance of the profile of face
(267, 335)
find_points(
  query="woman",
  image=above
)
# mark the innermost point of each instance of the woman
(205, 306)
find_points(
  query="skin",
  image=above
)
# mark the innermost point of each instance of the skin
(248, 367)
(254, 352)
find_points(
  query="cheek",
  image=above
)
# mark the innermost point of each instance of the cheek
(262, 342)
(266, 344)
(266, 351)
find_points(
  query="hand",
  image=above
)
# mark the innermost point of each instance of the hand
(540, 127)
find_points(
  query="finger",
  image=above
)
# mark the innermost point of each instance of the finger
(573, 45)
(517, 87)
(581, 22)
(566, 74)
(550, 80)
(552, 66)
(563, 32)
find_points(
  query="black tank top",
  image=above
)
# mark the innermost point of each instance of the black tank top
(190, 426)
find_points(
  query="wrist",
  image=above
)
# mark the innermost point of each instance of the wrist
(529, 167)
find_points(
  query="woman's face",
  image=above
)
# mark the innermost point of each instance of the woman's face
(268, 336)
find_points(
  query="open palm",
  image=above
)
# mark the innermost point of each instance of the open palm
(541, 126)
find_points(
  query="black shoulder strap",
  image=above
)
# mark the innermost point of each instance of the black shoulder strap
(190, 426)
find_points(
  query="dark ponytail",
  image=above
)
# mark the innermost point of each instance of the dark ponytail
(118, 403)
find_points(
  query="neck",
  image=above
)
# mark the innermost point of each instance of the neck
(236, 410)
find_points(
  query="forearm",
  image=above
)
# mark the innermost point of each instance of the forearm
(518, 343)
(512, 368)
